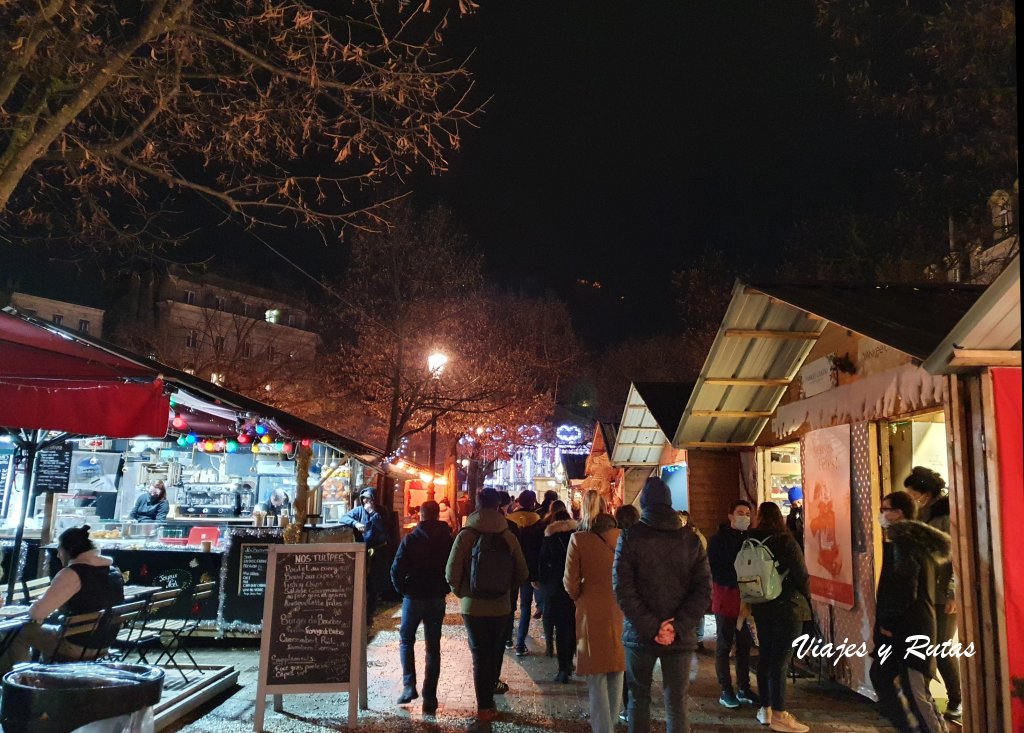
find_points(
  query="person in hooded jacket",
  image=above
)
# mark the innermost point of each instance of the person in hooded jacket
(88, 583)
(531, 535)
(600, 656)
(485, 618)
(795, 520)
(371, 522)
(928, 490)
(905, 606)
(781, 620)
(418, 574)
(725, 604)
(662, 584)
(559, 609)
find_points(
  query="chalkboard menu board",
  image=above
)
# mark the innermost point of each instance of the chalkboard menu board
(314, 610)
(252, 570)
(53, 469)
(5, 463)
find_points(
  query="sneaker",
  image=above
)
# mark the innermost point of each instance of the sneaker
(954, 713)
(764, 716)
(784, 722)
(562, 676)
(624, 716)
(408, 695)
(728, 700)
(522, 651)
(501, 688)
(508, 644)
(429, 705)
(747, 696)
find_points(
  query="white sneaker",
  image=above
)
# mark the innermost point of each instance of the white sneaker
(784, 722)
(764, 716)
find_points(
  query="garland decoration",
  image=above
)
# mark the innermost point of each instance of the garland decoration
(293, 532)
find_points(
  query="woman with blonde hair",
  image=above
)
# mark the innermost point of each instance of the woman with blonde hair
(600, 656)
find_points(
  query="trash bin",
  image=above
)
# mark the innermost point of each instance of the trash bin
(88, 697)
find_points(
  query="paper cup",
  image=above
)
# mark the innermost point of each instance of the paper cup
(207, 545)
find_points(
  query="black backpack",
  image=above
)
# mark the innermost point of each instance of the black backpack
(491, 566)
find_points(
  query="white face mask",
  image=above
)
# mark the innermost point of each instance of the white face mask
(883, 519)
(741, 523)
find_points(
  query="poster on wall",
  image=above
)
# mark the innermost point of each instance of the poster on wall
(828, 542)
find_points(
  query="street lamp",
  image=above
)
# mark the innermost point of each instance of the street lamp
(435, 363)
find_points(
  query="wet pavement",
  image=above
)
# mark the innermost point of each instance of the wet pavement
(534, 703)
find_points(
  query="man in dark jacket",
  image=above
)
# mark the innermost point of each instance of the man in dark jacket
(725, 604)
(418, 574)
(905, 607)
(371, 522)
(531, 536)
(662, 584)
(795, 520)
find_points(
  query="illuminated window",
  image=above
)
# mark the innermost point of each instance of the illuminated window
(247, 349)
(218, 344)
(273, 315)
(192, 340)
(190, 297)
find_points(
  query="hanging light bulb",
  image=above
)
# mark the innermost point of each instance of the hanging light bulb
(209, 445)
(191, 438)
(306, 442)
(265, 439)
(182, 441)
(287, 447)
(261, 429)
(231, 446)
(179, 423)
(243, 438)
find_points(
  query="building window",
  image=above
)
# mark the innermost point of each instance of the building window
(291, 319)
(217, 378)
(218, 344)
(190, 297)
(273, 315)
(58, 319)
(246, 349)
(245, 309)
(83, 325)
(192, 340)
(271, 354)
(218, 303)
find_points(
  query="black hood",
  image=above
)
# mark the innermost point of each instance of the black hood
(927, 538)
(433, 529)
(662, 517)
(940, 507)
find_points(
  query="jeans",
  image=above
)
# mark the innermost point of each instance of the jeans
(775, 636)
(429, 611)
(675, 674)
(949, 667)
(604, 691)
(487, 645)
(727, 634)
(526, 595)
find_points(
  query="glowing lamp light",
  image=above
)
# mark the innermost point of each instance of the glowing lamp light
(261, 430)
(400, 465)
(243, 438)
(209, 445)
(440, 481)
(426, 477)
(182, 441)
(179, 423)
(288, 447)
(191, 438)
(255, 447)
(265, 439)
(306, 442)
(231, 446)
(200, 447)
(220, 445)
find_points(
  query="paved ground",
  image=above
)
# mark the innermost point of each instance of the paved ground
(535, 703)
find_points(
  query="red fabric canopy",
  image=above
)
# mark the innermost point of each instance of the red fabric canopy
(51, 381)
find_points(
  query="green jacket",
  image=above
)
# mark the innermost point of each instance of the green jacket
(457, 572)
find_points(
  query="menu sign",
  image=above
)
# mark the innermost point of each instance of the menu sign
(5, 462)
(252, 571)
(313, 623)
(53, 469)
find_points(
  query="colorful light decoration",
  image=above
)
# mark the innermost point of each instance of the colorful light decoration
(191, 438)
(179, 423)
(306, 442)
(265, 439)
(261, 429)
(209, 445)
(244, 438)
(231, 446)
(182, 441)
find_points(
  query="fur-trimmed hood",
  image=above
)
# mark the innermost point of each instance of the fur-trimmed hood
(940, 507)
(562, 525)
(925, 537)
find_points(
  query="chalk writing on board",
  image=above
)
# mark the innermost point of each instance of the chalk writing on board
(252, 570)
(53, 469)
(311, 624)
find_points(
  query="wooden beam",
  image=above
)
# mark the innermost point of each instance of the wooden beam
(713, 444)
(730, 413)
(984, 358)
(749, 381)
(769, 334)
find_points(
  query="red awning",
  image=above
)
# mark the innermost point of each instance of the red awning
(51, 381)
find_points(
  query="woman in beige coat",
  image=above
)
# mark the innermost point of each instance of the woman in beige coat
(600, 656)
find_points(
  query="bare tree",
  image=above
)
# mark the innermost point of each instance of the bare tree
(277, 111)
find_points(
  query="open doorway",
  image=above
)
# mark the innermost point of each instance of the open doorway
(917, 441)
(784, 473)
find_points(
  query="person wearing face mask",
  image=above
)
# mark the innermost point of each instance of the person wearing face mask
(795, 520)
(725, 604)
(905, 607)
(928, 490)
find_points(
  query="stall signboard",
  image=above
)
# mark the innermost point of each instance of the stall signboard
(828, 541)
(53, 469)
(314, 636)
(245, 573)
(252, 569)
(5, 464)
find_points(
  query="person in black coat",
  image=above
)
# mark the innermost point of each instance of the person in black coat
(418, 573)
(151, 506)
(559, 609)
(371, 522)
(795, 520)
(781, 620)
(905, 607)
(662, 583)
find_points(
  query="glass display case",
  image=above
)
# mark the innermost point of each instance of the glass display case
(784, 472)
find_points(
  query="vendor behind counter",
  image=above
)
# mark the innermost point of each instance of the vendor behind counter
(152, 506)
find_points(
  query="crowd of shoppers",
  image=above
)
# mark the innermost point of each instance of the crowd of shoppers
(620, 594)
